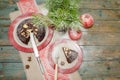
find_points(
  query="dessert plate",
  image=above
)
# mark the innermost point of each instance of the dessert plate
(69, 56)
(22, 44)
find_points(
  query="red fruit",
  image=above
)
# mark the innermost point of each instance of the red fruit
(87, 20)
(74, 34)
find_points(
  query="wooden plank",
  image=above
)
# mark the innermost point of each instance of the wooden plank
(101, 53)
(92, 4)
(102, 78)
(4, 36)
(105, 26)
(12, 71)
(100, 4)
(3, 22)
(88, 69)
(9, 54)
(11, 66)
(13, 75)
(2, 77)
(100, 68)
(90, 53)
(5, 42)
(3, 33)
(99, 38)
(99, 14)
(88, 38)
(4, 4)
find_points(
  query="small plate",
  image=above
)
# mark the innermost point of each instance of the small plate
(15, 41)
(63, 65)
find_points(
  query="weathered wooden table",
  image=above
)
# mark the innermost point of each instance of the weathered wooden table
(100, 44)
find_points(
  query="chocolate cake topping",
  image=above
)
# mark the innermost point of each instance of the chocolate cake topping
(70, 55)
(24, 29)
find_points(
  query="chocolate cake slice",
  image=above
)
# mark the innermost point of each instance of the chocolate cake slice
(24, 29)
(70, 55)
(40, 34)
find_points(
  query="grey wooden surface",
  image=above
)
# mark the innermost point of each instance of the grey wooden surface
(100, 44)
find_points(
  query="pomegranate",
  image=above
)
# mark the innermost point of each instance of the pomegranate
(74, 34)
(87, 20)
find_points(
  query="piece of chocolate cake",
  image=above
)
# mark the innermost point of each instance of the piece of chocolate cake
(70, 55)
(41, 33)
(24, 29)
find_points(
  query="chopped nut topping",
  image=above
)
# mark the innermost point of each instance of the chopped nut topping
(24, 29)
(25, 26)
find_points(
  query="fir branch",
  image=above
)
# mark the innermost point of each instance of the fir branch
(63, 12)
(38, 20)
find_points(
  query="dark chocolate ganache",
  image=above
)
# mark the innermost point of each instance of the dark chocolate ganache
(24, 29)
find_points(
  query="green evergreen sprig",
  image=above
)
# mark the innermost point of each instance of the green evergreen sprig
(63, 12)
(39, 20)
